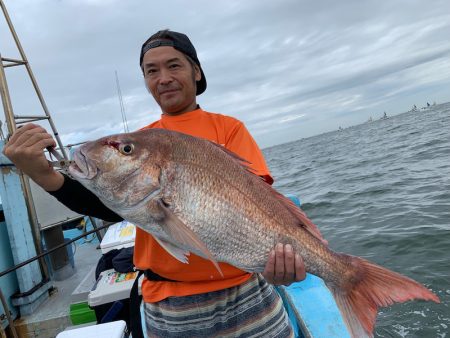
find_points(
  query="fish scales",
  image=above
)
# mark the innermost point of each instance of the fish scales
(229, 208)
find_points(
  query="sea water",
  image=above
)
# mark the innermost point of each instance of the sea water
(381, 190)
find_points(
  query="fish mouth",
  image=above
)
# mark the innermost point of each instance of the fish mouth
(82, 167)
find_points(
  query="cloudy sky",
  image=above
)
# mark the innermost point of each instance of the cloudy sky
(288, 68)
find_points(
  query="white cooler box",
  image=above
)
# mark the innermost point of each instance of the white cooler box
(111, 286)
(107, 330)
(119, 235)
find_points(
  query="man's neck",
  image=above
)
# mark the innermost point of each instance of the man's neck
(192, 107)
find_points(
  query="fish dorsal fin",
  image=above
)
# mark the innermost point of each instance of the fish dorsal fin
(243, 162)
(177, 230)
(176, 252)
(229, 152)
(304, 221)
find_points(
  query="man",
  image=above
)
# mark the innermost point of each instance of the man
(181, 299)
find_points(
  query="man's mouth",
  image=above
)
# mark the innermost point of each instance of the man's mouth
(169, 91)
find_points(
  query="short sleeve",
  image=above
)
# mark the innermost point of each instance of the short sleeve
(239, 141)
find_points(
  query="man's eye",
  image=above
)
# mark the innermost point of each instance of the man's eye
(173, 66)
(151, 71)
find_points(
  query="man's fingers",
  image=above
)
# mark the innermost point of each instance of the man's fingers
(269, 269)
(26, 135)
(22, 129)
(29, 137)
(34, 140)
(300, 272)
(279, 264)
(270, 266)
(29, 140)
(284, 266)
(289, 263)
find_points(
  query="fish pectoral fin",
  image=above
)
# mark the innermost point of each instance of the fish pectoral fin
(176, 252)
(177, 230)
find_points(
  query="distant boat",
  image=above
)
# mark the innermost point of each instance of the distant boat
(384, 117)
(414, 108)
(370, 119)
(340, 128)
(427, 106)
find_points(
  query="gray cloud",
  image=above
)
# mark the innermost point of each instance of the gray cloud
(288, 69)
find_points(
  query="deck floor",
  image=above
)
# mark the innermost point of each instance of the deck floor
(52, 317)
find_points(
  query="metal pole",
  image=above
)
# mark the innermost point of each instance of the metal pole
(32, 259)
(8, 315)
(94, 225)
(11, 123)
(6, 100)
(33, 79)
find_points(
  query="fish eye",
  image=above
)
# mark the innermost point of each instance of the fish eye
(126, 149)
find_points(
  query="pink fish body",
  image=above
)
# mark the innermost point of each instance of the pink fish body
(195, 196)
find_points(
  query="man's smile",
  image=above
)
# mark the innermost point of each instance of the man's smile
(168, 91)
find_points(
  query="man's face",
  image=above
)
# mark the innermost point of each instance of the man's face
(171, 79)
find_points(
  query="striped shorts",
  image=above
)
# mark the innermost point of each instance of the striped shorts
(252, 309)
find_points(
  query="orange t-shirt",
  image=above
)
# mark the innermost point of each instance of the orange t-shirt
(199, 276)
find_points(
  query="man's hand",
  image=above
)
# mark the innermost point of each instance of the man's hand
(25, 149)
(284, 267)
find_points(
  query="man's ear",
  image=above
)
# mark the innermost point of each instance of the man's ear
(198, 73)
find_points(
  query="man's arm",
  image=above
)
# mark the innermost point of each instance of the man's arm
(25, 149)
(81, 200)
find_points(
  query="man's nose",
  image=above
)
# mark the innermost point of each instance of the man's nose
(164, 76)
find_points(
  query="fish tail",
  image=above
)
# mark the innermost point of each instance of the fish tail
(369, 286)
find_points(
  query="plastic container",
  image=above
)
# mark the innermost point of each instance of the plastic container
(80, 294)
(111, 286)
(119, 235)
(79, 311)
(108, 330)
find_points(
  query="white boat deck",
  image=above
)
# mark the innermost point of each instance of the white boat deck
(52, 317)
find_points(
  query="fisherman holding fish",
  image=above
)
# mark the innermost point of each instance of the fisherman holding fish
(194, 297)
(197, 187)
